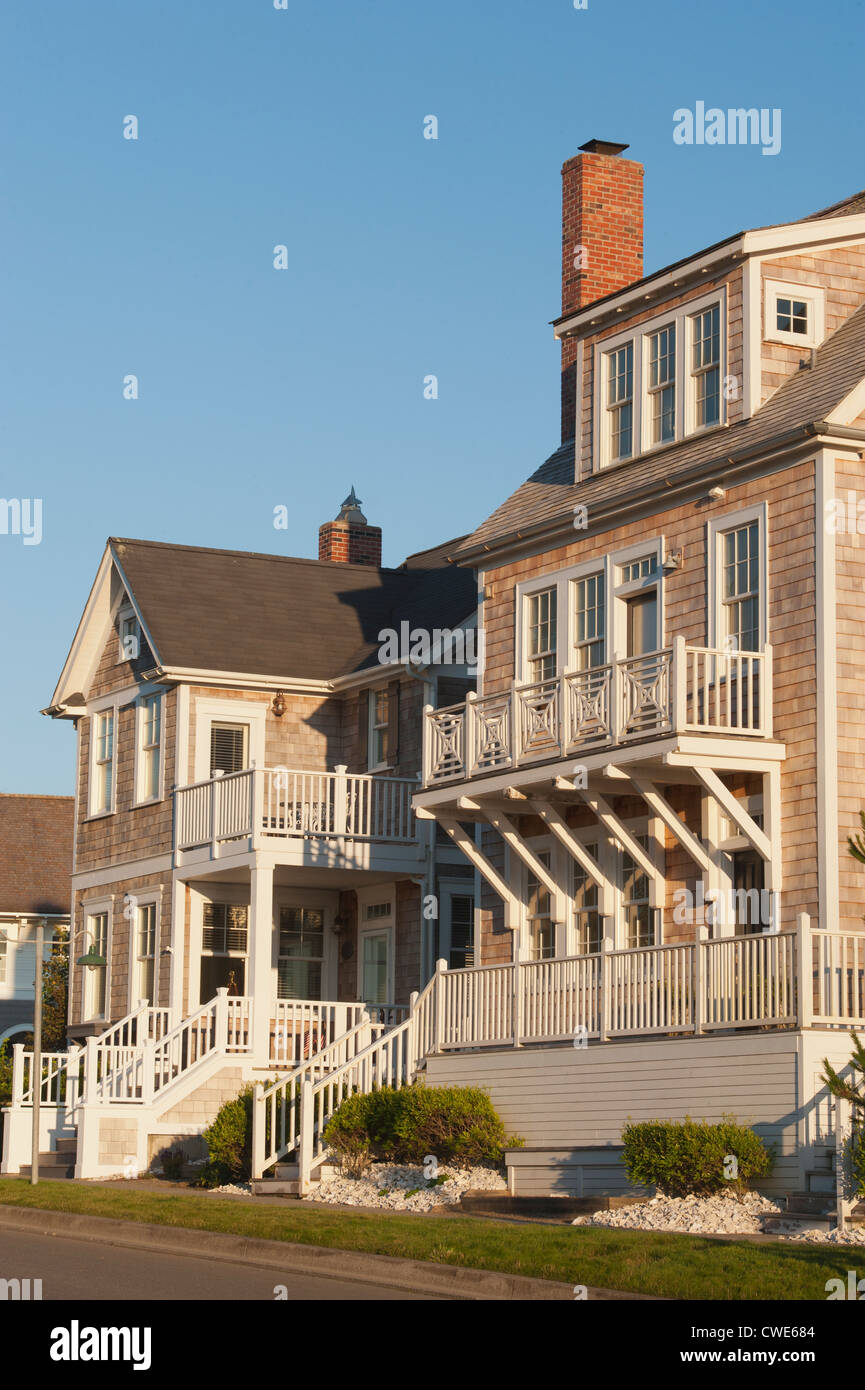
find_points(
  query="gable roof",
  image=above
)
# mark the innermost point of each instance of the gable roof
(800, 403)
(267, 615)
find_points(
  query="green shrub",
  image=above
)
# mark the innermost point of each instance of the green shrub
(457, 1124)
(229, 1143)
(692, 1157)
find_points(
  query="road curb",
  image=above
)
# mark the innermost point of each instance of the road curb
(448, 1281)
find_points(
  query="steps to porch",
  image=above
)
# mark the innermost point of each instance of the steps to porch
(55, 1163)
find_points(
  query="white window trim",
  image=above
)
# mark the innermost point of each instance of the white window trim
(144, 899)
(640, 333)
(813, 295)
(717, 527)
(207, 711)
(328, 901)
(92, 907)
(371, 727)
(102, 707)
(366, 896)
(138, 768)
(563, 581)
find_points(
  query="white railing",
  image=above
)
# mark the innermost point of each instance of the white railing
(687, 987)
(291, 1114)
(112, 1067)
(272, 804)
(678, 689)
(838, 974)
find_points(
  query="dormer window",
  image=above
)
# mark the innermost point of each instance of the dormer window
(793, 314)
(660, 382)
(706, 367)
(620, 402)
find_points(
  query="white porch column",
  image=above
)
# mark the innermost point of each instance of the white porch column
(177, 942)
(259, 984)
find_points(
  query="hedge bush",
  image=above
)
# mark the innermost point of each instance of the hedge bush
(229, 1143)
(457, 1124)
(687, 1158)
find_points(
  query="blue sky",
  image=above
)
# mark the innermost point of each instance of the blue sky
(407, 256)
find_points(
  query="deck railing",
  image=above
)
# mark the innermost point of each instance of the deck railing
(302, 1028)
(269, 805)
(678, 689)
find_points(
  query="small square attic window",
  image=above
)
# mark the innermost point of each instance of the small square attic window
(793, 314)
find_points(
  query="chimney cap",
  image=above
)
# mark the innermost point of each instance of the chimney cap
(350, 510)
(603, 147)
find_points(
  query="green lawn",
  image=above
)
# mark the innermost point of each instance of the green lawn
(670, 1266)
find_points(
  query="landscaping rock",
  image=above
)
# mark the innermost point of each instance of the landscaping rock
(399, 1187)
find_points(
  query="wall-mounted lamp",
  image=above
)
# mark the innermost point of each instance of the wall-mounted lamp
(340, 925)
(277, 704)
(716, 493)
(674, 561)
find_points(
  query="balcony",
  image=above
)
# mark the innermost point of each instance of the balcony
(680, 689)
(330, 818)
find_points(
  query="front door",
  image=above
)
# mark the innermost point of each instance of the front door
(224, 945)
(642, 629)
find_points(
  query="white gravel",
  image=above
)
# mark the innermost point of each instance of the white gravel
(719, 1215)
(388, 1185)
(234, 1189)
(723, 1214)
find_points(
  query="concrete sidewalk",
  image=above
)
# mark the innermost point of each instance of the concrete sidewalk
(448, 1281)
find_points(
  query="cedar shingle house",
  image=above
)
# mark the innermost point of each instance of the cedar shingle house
(653, 783)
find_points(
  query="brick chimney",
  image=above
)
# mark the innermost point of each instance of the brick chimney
(602, 241)
(349, 539)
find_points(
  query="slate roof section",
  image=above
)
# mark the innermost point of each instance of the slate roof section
(804, 399)
(274, 615)
(36, 853)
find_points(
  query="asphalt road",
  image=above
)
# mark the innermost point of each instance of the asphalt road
(80, 1269)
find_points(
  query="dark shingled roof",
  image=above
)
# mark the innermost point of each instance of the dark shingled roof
(804, 399)
(273, 615)
(36, 853)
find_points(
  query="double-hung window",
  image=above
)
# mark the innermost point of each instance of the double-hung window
(662, 385)
(639, 915)
(620, 402)
(706, 366)
(587, 915)
(542, 942)
(379, 720)
(542, 643)
(95, 975)
(145, 952)
(102, 790)
(301, 953)
(150, 722)
(740, 588)
(589, 621)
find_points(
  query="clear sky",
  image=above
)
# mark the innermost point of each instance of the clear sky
(303, 127)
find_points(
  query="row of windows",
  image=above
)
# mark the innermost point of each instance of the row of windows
(661, 385)
(637, 581)
(148, 755)
(642, 921)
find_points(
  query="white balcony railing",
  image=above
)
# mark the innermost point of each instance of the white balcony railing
(268, 805)
(679, 689)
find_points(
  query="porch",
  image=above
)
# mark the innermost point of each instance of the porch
(358, 819)
(679, 690)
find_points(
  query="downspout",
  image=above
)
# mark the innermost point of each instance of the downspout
(427, 879)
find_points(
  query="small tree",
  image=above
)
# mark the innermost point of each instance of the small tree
(55, 992)
(854, 1092)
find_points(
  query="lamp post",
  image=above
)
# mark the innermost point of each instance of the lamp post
(37, 1052)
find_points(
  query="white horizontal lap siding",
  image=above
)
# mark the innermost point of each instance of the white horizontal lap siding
(567, 1096)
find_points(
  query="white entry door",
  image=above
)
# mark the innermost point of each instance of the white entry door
(376, 966)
